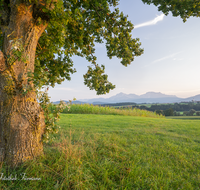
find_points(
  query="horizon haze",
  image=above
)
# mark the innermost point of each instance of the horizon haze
(149, 97)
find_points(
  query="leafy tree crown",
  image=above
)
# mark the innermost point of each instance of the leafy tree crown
(74, 26)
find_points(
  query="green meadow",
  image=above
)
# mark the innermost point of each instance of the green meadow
(115, 150)
(184, 117)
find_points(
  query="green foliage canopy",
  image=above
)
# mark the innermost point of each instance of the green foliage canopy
(182, 8)
(74, 26)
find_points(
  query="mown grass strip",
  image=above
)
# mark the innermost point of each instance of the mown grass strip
(184, 117)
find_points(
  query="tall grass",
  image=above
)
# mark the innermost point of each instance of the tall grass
(114, 152)
(91, 109)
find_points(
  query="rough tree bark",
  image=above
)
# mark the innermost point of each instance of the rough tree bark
(21, 118)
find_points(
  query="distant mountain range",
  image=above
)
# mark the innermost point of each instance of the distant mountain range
(149, 97)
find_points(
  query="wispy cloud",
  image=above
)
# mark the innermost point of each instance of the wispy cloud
(166, 57)
(162, 59)
(151, 22)
(176, 59)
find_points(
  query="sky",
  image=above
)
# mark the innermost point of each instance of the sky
(170, 63)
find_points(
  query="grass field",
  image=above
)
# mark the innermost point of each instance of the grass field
(184, 117)
(94, 151)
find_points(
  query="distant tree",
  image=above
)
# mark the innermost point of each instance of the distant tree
(159, 112)
(169, 112)
(191, 112)
(198, 113)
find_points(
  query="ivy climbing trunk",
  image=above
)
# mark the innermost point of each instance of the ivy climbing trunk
(22, 121)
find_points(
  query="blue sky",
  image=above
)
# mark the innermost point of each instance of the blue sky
(170, 63)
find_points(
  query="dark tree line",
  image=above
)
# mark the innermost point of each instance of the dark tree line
(175, 107)
(165, 109)
(120, 104)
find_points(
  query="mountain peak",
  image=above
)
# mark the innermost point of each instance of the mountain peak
(149, 97)
(155, 95)
(121, 93)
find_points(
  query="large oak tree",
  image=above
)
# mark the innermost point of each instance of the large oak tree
(38, 39)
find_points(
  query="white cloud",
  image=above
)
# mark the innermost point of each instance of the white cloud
(151, 22)
(166, 57)
(162, 59)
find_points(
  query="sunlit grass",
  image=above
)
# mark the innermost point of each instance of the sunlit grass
(184, 117)
(91, 109)
(115, 152)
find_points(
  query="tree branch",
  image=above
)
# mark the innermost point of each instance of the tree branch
(5, 13)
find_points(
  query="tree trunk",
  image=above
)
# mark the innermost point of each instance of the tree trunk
(21, 117)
